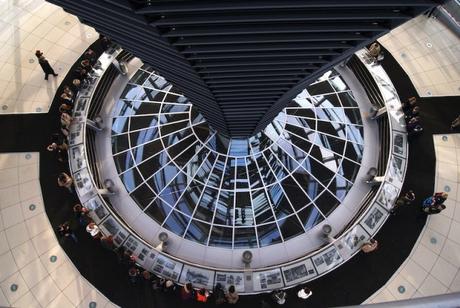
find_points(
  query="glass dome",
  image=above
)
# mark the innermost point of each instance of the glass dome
(236, 193)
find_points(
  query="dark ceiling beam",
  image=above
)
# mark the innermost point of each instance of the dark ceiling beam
(246, 79)
(248, 100)
(251, 85)
(256, 62)
(264, 54)
(256, 68)
(242, 96)
(254, 74)
(265, 47)
(242, 91)
(269, 38)
(229, 5)
(240, 62)
(283, 16)
(275, 28)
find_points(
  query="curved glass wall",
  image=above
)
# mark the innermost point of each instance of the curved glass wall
(236, 193)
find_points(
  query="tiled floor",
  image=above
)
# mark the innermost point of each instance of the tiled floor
(433, 265)
(34, 270)
(429, 53)
(26, 26)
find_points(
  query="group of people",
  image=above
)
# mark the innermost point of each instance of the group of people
(435, 204)
(411, 116)
(59, 146)
(431, 205)
(82, 220)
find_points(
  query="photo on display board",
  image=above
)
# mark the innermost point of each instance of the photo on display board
(374, 217)
(296, 273)
(196, 277)
(111, 226)
(229, 279)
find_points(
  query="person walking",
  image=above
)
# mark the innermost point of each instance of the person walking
(47, 69)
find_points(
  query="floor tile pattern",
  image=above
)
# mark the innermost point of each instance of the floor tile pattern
(433, 266)
(429, 53)
(34, 270)
(26, 26)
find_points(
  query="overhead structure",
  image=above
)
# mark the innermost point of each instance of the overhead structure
(242, 62)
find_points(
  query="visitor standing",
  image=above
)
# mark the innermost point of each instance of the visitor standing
(47, 69)
(232, 296)
(304, 293)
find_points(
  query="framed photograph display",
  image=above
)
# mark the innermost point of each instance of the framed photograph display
(79, 111)
(327, 259)
(400, 144)
(396, 170)
(267, 280)
(226, 279)
(296, 273)
(138, 249)
(111, 226)
(388, 195)
(200, 278)
(96, 209)
(83, 184)
(374, 219)
(167, 267)
(77, 158)
(352, 241)
(76, 133)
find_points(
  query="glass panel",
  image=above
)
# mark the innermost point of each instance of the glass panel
(177, 222)
(310, 217)
(143, 136)
(245, 238)
(224, 209)
(326, 202)
(221, 237)
(129, 179)
(120, 143)
(149, 108)
(198, 232)
(296, 195)
(205, 209)
(281, 205)
(268, 235)
(142, 122)
(120, 125)
(254, 178)
(349, 170)
(173, 191)
(348, 100)
(290, 227)
(243, 209)
(241, 175)
(308, 183)
(190, 198)
(123, 161)
(143, 195)
(320, 88)
(158, 210)
(146, 151)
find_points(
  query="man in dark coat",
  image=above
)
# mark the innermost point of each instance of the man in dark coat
(47, 69)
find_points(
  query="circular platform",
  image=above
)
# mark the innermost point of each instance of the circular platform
(236, 193)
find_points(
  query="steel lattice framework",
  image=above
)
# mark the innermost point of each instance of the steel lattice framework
(242, 62)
